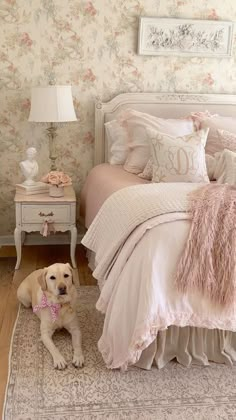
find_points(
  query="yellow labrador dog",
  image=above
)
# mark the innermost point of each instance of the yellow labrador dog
(53, 297)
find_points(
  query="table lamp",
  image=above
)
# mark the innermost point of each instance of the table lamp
(52, 105)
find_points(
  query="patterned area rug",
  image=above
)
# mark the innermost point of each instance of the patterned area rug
(37, 391)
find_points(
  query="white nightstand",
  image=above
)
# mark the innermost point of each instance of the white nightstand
(33, 210)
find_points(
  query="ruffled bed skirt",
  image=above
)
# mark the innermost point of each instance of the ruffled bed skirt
(187, 345)
(190, 345)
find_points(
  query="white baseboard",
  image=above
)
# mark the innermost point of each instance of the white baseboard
(37, 239)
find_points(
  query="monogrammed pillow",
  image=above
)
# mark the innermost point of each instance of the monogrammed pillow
(210, 164)
(178, 159)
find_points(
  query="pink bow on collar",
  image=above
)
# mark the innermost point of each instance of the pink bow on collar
(54, 307)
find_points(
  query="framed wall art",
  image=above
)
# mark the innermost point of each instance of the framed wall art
(185, 37)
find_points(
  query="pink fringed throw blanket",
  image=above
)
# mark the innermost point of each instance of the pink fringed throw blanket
(208, 263)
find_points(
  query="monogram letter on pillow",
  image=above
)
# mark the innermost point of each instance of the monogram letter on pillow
(178, 159)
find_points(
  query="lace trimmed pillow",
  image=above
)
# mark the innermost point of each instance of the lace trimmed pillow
(178, 159)
(136, 124)
(147, 172)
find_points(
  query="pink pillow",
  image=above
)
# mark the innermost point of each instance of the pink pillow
(215, 142)
(227, 140)
(136, 124)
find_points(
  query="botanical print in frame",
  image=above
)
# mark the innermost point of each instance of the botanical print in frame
(186, 37)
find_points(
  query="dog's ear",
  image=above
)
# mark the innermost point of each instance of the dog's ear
(71, 270)
(42, 279)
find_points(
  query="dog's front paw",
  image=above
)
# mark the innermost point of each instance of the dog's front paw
(78, 360)
(59, 362)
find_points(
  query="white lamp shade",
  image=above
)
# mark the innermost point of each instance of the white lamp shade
(52, 104)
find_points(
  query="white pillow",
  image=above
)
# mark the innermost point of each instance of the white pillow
(178, 159)
(117, 139)
(136, 124)
(225, 167)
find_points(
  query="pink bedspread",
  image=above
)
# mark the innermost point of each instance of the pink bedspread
(102, 181)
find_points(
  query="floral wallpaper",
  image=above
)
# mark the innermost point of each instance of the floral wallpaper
(92, 46)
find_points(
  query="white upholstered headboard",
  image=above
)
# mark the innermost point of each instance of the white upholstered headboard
(165, 105)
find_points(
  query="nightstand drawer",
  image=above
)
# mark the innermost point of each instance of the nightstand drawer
(37, 213)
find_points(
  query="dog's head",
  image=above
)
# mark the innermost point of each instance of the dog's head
(57, 279)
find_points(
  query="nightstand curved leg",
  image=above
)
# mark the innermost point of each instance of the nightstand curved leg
(17, 237)
(22, 237)
(73, 242)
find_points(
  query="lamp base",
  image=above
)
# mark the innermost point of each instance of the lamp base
(53, 164)
(52, 133)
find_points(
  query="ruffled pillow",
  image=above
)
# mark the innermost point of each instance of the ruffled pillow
(136, 124)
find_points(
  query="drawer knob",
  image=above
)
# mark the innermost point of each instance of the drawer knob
(41, 214)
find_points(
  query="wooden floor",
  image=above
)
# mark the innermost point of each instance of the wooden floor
(33, 257)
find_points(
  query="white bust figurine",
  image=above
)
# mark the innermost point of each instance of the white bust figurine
(29, 167)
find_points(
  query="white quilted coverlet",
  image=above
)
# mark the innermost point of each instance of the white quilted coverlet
(126, 209)
(138, 237)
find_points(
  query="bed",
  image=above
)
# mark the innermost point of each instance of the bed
(135, 332)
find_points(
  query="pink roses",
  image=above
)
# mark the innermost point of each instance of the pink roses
(57, 178)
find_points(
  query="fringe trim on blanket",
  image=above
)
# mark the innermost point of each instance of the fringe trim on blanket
(208, 263)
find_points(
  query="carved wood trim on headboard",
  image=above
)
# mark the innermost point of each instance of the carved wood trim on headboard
(125, 100)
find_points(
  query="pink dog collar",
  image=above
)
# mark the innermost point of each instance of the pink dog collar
(54, 307)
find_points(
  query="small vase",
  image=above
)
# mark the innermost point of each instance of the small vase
(55, 191)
